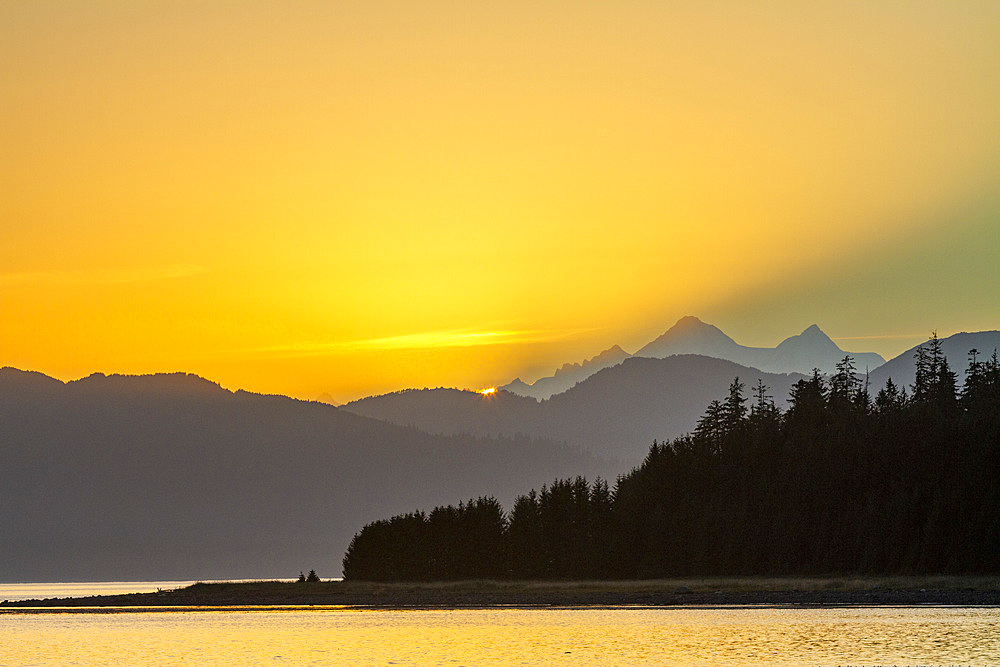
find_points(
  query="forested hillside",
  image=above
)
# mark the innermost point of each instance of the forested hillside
(905, 482)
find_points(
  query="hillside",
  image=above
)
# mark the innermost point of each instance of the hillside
(615, 413)
(955, 348)
(174, 477)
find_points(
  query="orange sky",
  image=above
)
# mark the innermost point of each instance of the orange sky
(307, 197)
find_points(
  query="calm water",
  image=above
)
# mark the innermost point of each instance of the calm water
(618, 636)
(88, 588)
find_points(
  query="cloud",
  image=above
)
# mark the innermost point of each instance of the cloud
(100, 276)
(881, 337)
(452, 338)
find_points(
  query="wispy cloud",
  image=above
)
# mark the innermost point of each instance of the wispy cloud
(100, 276)
(882, 337)
(427, 340)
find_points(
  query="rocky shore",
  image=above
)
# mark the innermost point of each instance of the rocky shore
(961, 591)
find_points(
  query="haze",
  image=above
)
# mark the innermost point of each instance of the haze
(356, 197)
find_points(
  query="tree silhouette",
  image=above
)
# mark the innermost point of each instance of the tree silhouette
(838, 483)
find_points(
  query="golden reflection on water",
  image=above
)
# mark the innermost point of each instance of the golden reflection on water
(332, 636)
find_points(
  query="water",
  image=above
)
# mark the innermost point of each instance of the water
(601, 636)
(42, 591)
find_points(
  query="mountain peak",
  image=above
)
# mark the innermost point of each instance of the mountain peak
(567, 375)
(689, 322)
(612, 355)
(689, 325)
(515, 385)
(325, 397)
(689, 336)
(810, 349)
(810, 342)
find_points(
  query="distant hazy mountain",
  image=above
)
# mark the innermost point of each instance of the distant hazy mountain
(798, 354)
(902, 369)
(327, 398)
(453, 411)
(692, 336)
(615, 413)
(173, 477)
(568, 375)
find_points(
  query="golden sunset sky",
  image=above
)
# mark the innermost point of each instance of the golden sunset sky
(356, 197)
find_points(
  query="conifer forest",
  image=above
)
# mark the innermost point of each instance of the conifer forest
(906, 481)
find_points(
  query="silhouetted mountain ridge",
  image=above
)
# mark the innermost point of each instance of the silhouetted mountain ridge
(689, 336)
(618, 411)
(796, 354)
(174, 477)
(956, 348)
(615, 413)
(567, 375)
(165, 383)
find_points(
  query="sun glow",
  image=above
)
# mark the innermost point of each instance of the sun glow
(490, 391)
(355, 197)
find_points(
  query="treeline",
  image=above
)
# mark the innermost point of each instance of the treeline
(841, 482)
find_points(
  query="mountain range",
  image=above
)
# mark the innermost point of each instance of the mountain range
(170, 476)
(618, 411)
(902, 368)
(173, 477)
(567, 375)
(797, 354)
(615, 413)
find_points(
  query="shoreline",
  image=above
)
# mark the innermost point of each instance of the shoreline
(700, 592)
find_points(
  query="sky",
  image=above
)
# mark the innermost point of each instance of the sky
(357, 197)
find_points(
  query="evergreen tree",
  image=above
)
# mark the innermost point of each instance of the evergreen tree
(844, 383)
(807, 403)
(524, 538)
(945, 388)
(974, 388)
(925, 372)
(890, 399)
(763, 402)
(711, 426)
(830, 486)
(734, 412)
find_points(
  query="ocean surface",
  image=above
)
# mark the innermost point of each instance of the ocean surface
(565, 636)
(88, 588)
